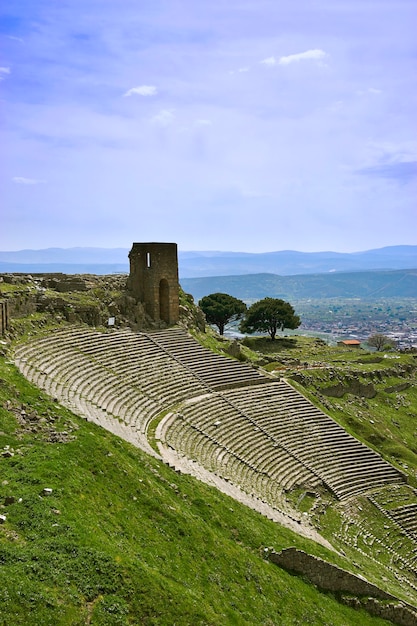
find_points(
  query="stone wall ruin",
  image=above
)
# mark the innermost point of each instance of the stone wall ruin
(153, 280)
(352, 590)
(4, 316)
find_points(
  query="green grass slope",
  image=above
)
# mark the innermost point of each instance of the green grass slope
(122, 539)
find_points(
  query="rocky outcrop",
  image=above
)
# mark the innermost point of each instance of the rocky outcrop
(362, 384)
(397, 388)
(191, 316)
(354, 387)
(89, 299)
(41, 425)
(65, 283)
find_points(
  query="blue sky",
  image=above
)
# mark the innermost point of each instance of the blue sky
(238, 125)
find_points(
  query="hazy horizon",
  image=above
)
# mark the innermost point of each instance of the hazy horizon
(87, 247)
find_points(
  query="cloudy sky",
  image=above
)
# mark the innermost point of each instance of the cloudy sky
(241, 125)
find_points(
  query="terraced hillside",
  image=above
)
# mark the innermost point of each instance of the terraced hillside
(271, 439)
(122, 378)
(250, 430)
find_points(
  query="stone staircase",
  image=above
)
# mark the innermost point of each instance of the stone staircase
(214, 370)
(258, 433)
(280, 438)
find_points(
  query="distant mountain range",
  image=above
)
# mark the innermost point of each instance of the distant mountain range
(371, 284)
(195, 264)
(67, 260)
(290, 262)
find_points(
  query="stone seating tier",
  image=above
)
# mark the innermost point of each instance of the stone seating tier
(213, 369)
(329, 454)
(260, 433)
(406, 516)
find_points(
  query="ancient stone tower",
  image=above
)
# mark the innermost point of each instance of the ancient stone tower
(153, 279)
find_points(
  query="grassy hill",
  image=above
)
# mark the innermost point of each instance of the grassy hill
(122, 539)
(370, 284)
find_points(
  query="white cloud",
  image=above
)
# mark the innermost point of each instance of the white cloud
(4, 70)
(164, 117)
(269, 61)
(372, 90)
(241, 70)
(308, 55)
(27, 181)
(203, 122)
(142, 90)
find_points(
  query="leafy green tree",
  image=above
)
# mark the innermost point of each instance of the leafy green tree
(380, 342)
(220, 309)
(269, 315)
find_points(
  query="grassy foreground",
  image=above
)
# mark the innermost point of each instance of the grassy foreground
(122, 539)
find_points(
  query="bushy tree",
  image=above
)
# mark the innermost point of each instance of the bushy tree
(220, 309)
(380, 342)
(269, 315)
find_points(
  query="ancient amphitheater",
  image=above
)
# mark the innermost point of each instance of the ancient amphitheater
(218, 418)
(238, 428)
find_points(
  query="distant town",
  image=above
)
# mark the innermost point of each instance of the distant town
(358, 319)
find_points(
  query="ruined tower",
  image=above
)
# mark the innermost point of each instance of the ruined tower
(153, 279)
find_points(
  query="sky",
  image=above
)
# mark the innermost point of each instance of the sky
(246, 125)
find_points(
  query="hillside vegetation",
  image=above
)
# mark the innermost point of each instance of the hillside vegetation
(370, 284)
(95, 531)
(122, 539)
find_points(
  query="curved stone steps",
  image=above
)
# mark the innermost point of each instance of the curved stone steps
(406, 516)
(213, 369)
(249, 432)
